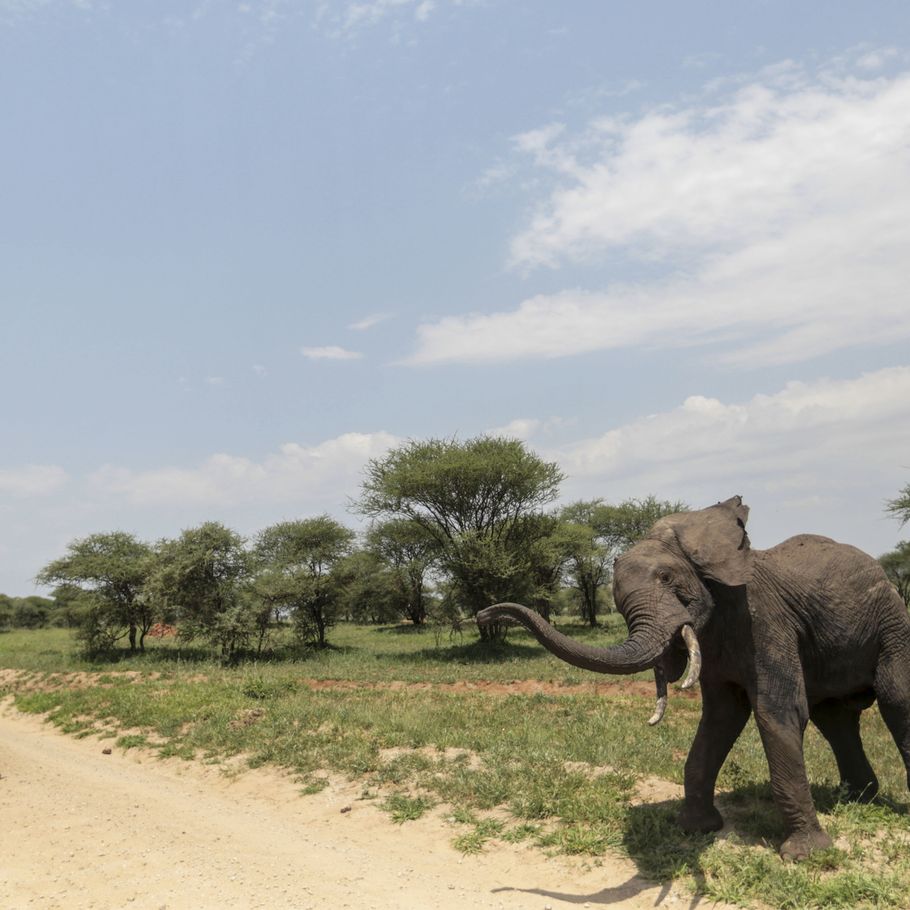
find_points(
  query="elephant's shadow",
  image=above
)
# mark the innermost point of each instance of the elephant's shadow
(662, 851)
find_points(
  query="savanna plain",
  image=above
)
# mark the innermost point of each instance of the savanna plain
(509, 744)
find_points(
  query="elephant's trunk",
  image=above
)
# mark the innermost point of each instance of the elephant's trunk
(640, 651)
(647, 642)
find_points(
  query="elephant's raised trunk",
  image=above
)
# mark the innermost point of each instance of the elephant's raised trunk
(642, 650)
(639, 651)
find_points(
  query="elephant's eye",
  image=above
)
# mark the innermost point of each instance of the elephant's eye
(664, 577)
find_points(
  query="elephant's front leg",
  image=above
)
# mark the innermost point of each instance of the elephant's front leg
(782, 720)
(725, 710)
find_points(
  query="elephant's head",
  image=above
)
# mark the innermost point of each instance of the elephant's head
(660, 586)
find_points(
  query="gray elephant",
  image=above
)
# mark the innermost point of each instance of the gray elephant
(808, 630)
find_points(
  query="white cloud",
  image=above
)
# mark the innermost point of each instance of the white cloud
(524, 428)
(370, 12)
(330, 352)
(521, 428)
(876, 59)
(215, 381)
(310, 477)
(839, 446)
(32, 480)
(779, 151)
(773, 219)
(369, 321)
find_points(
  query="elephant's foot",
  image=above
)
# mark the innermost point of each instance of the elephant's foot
(801, 843)
(698, 820)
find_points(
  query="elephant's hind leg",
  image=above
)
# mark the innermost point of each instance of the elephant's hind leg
(892, 688)
(838, 722)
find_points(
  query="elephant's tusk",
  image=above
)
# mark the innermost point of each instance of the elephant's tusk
(688, 634)
(660, 682)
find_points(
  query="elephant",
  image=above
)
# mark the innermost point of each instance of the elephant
(810, 629)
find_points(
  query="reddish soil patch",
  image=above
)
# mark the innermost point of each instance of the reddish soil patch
(26, 681)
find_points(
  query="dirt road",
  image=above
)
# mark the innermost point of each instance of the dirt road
(81, 829)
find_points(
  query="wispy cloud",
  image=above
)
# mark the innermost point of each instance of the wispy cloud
(772, 218)
(369, 321)
(525, 428)
(31, 480)
(330, 352)
(308, 476)
(370, 12)
(13, 11)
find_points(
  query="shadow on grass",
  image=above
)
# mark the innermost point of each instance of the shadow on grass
(475, 652)
(403, 628)
(201, 654)
(152, 654)
(663, 852)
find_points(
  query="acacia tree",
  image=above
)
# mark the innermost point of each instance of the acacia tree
(409, 551)
(199, 578)
(596, 533)
(371, 592)
(549, 551)
(622, 525)
(900, 506)
(897, 567)
(589, 555)
(477, 500)
(110, 570)
(301, 567)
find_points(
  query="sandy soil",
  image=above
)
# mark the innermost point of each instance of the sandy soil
(82, 829)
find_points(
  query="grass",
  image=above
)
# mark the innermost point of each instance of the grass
(558, 770)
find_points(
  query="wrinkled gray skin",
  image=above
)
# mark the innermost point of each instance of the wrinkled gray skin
(808, 630)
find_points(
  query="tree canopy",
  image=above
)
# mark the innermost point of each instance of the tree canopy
(479, 500)
(899, 507)
(897, 567)
(301, 571)
(199, 577)
(110, 571)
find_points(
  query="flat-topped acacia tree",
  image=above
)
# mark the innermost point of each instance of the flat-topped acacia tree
(302, 570)
(480, 501)
(110, 570)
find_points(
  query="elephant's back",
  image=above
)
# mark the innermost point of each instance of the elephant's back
(836, 573)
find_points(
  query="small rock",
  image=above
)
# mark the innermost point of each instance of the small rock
(107, 750)
(345, 809)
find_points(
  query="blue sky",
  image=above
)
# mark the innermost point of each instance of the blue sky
(246, 246)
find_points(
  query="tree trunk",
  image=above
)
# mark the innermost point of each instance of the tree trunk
(132, 636)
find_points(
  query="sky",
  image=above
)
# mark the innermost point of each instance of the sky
(245, 247)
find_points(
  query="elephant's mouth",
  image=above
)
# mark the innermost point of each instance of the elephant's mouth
(672, 664)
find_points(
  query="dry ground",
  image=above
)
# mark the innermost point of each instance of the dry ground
(81, 829)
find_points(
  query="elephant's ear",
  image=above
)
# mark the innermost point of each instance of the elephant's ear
(713, 539)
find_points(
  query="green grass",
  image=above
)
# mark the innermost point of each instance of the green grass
(558, 770)
(360, 653)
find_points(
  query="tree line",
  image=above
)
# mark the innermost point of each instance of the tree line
(452, 527)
